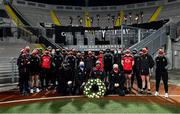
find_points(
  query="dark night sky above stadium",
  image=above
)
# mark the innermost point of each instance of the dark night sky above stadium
(90, 2)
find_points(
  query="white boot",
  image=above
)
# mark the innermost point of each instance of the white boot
(37, 90)
(156, 93)
(166, 95)
(31, 91)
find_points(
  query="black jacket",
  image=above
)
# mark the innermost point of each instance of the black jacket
(97, 73)
(147, 62)
(34, 62)
(117, 77)
(161, 63)
(71, 59)
(137, 63)
(90, 62)
(80, 76)
(108, 60)
(58, 60)
(23, 64)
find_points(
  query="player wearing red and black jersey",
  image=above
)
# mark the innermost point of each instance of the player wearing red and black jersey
(128, 63)
(46, 64)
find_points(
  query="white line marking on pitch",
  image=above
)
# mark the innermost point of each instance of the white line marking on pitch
(62, 97)
(36, 99)
(172, 95)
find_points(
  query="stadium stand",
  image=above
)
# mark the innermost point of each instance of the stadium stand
(128, 14)
(103, 18)
(54, 17)
(170, 10)
(99, 18)
(155, 14)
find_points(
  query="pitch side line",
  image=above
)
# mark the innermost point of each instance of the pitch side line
(62, 97)
(37, 99)
(147, 95)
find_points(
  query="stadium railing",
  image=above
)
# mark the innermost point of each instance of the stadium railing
(9, 72)
(154, 41)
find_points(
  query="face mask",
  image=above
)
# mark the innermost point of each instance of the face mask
(119, 51)
(115, 52)
(81, 66)
(98, 66)
(53, 52)
(34, 54)
(57, 52)
(144, 51)
(116, 70)
(161, 53)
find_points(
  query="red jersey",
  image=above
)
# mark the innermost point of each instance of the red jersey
(127, 62)
(100, 58)
(46, 61)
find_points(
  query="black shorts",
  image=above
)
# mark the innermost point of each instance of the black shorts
(35, 71)
(127, 71)
(144, 72)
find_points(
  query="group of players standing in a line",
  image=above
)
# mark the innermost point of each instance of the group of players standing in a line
(66, 71)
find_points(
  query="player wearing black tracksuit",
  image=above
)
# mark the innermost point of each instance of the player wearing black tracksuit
(71, 60)
(63, 87)
(136, 70)
(79, 58)
(90, 61)
(57, 60)
(108, 61)
(80, 78)
(24, 73)
(117, 58)
(97, 72)
(161, 63)
(117, 81)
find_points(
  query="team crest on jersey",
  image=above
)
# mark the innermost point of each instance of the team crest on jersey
(127, 61)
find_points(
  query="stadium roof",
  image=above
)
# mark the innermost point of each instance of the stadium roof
(90, 2)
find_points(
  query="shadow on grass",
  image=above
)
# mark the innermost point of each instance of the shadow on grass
(170, 104)
(100, 102)
(79, 103)
(56, 106)
(149, 104)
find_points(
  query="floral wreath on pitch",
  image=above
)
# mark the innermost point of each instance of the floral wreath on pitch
(94, 88)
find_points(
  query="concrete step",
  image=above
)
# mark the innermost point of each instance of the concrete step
(5, 68)
(8, 84)
(3, 74)
(9, 80)
(8, 87)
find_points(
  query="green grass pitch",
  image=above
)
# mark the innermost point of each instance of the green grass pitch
(90, 106)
